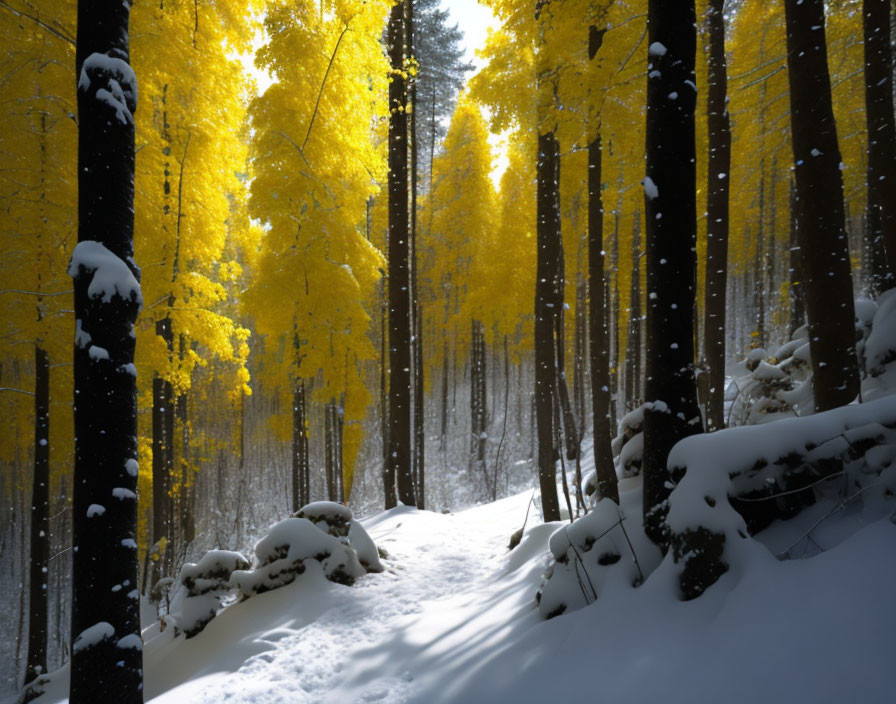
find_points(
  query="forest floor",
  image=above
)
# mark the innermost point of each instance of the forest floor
(454, 619)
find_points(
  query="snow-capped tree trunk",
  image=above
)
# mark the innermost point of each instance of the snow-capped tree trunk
(718, 179)
(38, 578)
(882, 135)
(547, 234)
(671, 223)
(399, 455)
(107, 656)
(599, 343)
(819, 192)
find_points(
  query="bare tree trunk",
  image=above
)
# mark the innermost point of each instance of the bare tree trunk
(718, 180)
(819, 191)
(881, 136)
(599, 344)
(399, 274)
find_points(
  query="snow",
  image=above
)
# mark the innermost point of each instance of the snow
(92, 636)
(130, 642)
(97, 353)
(121, 493)
(650, 188)
(95, 510)
(119, 84)
(453, 617)
(111, 276)
(131, 467)
(656, 49)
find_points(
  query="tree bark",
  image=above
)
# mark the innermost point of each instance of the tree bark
(718, 180)
(399, 457)
(547, 233)
(819, 192)
(881, 136)
(599, 344)
(795, 271)
(107, 658)
(300, 466)
(671, 208)
(633, 376)
(38, 581)
(162, 450)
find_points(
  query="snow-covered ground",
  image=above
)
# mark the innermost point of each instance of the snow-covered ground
(454, 619)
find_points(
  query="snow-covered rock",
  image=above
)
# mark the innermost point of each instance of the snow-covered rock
(203, 588)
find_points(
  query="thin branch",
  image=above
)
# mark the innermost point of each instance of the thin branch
(18, 391)
(52, 30)
(324, 82)
(35, 293)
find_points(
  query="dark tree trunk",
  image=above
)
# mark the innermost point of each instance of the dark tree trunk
(634, 381)
(819, 192)
(670, 198)
(300, 466)
(107, 657)
(882, 136)
(599, 344)
(579, 353)
(718, 179)
(38, 581)
(548, 233)
(759, 287)
(391, 500)
(399, 456)
(797, 304)
(478, 402)
(570, 429)
(162, 450)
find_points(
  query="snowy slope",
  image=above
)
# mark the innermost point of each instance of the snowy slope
(453, 619)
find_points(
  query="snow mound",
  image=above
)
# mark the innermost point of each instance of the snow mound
(282, 553)
(601, 552)
(337, 520)
(739, 480)
(203, 588)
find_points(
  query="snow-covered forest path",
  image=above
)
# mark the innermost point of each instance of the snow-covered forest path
(318, 642)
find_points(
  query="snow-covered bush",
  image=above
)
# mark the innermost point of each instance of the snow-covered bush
(337, 520)
(737, 481)
(203, 586)
(628, 445)
(877, 350)
(600, 551)
(323, 531)
(281, 555)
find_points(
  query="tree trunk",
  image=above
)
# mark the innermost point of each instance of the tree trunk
(300, 466)
(634, 388)
(881, 135)
(797, 304)
(599, 344)
(399, 457)
(107, 659)
(718, 125)
(547, 234)
(38, 581)
(162, 450)
(671, 207)
(819, 192)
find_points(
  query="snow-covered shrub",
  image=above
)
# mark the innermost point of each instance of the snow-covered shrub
(765, 472)
(337, 520)
(628, 445)
(281, 555)
(203, 587)
(877, 350)
(600, 551)
(774, 386)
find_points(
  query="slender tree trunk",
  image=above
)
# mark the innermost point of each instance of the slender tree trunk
(881, 136)
(162, 450)
(548, 231)
(38, 581)
(391, 500)
(579, 352)
(107, 658)
(635, 390)
(599, 347)
(797, 304)
(399, 275)
(819, 191)
(718, 180)
(670, 199)
(300, 463)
